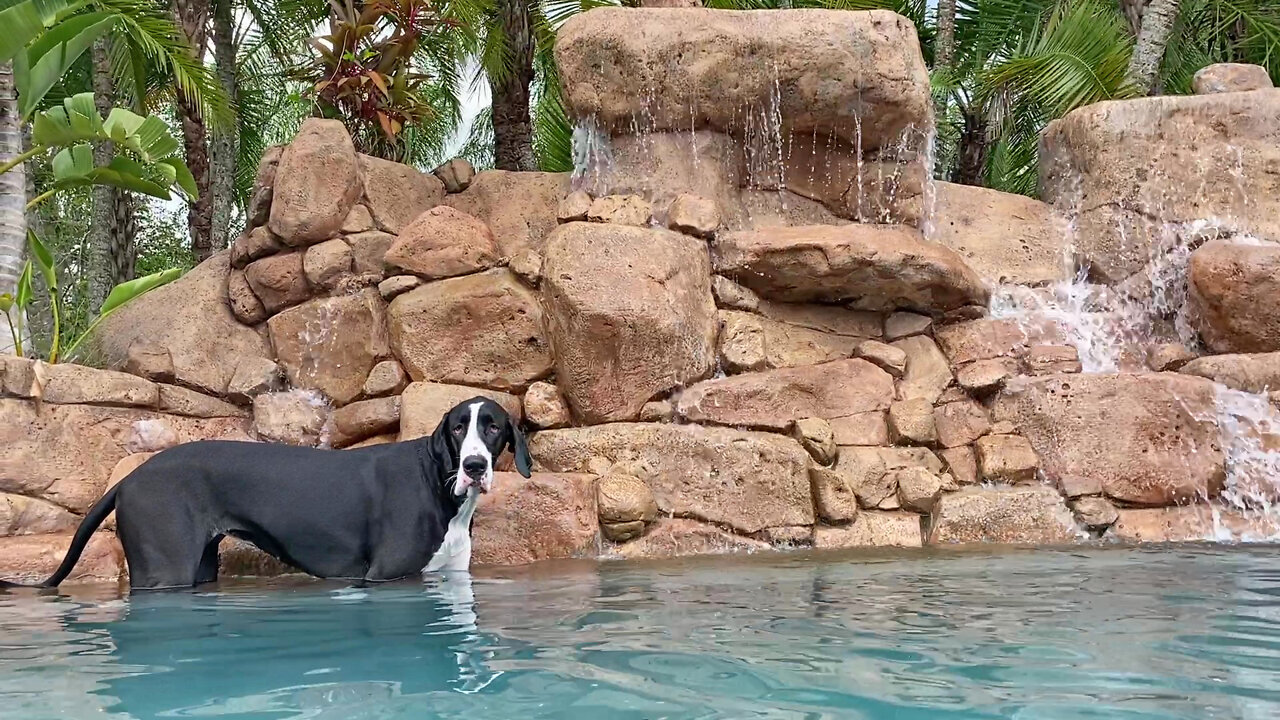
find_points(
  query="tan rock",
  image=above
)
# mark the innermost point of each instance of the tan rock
(1233, 293)
(253, 376)
(423, 405)
(331, 344)
(1052, 360)
(32, 558)
(456, 174)
(1026, 515)
(872, 529)
(927, 373)
(396, 194)
(832, 319)
(911, 422)
(1095, 513)
(816, 436)
(745, 480)
(237, 558)
(484, 330)
(519, 207)
(1151, 439)
(1074, 486)
(326, 263)
(752, 342)
(152, 434)
(253, 245)
(1002, 427)
(741, 58)
(678, 537)
(544, 406)
(905, 324)
(630, 314)
(776, 398)
(990, 338)
(444, 242)
(122, 470)
(358, 220)
(657, 411)
(376, 440)
(1230, 77)
(245, 304)
(21, 515)
(1187, 158)
(960, 423)
(1005, 238)
(869, 428)
(621, 210)
(527, 265)
(152, 362)
(574, 207)
(918, 489)
(880, 267)
(192, 319)
(64, 453)
(622, 532)
(316, 184)
(624, 498)
(986, 376)
(397, 285)
(1163, 357)
(368, 251)
(731, 295)
(1006, 459)
(788, 536)
(887, 357)
(1191, 523)
(833, 494)
(66, 384)
(189, 403)
(293, 417)
(362, 420)
(868, 471)
(386, 378)
(279, 281)
(693, 215)
(961, 464)
(544, 517)
(1257, 373)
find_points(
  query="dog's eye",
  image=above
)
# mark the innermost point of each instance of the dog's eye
(457, 429)
(493, 429)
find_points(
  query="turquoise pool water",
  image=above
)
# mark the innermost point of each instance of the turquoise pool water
(1097, 633)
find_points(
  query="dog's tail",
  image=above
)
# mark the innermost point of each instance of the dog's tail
(88, 526)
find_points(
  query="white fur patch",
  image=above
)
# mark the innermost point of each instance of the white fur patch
(473, 444)
(455, 551)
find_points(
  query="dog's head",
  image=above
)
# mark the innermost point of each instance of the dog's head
(469, 440)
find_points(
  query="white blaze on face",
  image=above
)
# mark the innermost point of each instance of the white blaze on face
(473, 444)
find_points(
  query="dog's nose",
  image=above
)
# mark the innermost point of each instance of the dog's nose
(474, 466)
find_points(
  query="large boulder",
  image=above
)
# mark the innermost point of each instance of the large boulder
(316, 184)
(630, 313)
(519, 207)
(484, 330)
(752, 342)
(397, 193)
(22, 515)
(680, 537)
(1005, 238)
(1186, 158)
(1192, 523)
(545, 517)
(1230, 77)
(331, 344)
(1257, 373)
(672, 69)
(65, 453)
(1149, 439)
(424, 404)
(443, 242)
(192, 319)
(32, 558)
(774, 399)
(872, 529)
(745, 480)
(877, 267)
(1234, 289)
(1025, 515)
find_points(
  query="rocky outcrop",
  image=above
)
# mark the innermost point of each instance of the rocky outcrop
(676, 537)
(1031, 515)
(484, 330)
(519, 207)
(1254, 373)
(876, 267)
(545, 517)
(291, 417)
(1230, 77)
(1005, 238)
(396, 193)
(316, 185)
(22, 515)
(629, 313)
(444, 242)
(1185, 158)
(1234, 289)
(331, 344)
(424, 404)
(745, 480)
(872, 529)
(32, 558)
(1148, 439)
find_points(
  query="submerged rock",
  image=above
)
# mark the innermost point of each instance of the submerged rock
(1030, 515)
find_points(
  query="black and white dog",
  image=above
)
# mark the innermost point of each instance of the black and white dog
(367, 515)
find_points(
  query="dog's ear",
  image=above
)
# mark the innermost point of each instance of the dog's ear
(519, 447)
(440, 441)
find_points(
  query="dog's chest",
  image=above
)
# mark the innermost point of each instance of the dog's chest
(455, 551)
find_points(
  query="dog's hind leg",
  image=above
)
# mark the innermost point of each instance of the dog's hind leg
(208, 571)
(162, 552)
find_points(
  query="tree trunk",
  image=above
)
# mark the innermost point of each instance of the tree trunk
(13, 197)
(975, 146)
(1132, 10)
(1148, 51)
(512, 124)
(224, 146)
(102, 229)
(944, 46)
(193, 17)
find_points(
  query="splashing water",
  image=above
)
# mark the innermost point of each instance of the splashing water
(592, 158)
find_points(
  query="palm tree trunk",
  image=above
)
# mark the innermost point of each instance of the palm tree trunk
(944, 44)
(975, 147)
(1157, 23)
(1132, 10)
(13, 196)
(193, 17)
(512, 124)
(103, 228)
(225, 144)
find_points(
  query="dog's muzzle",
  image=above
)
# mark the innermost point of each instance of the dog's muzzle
(475, 471)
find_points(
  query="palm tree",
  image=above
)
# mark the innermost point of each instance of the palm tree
(13, 194)
(1158, 19)
(510, 84)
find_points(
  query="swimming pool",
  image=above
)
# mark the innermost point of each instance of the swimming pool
(1087, 633)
